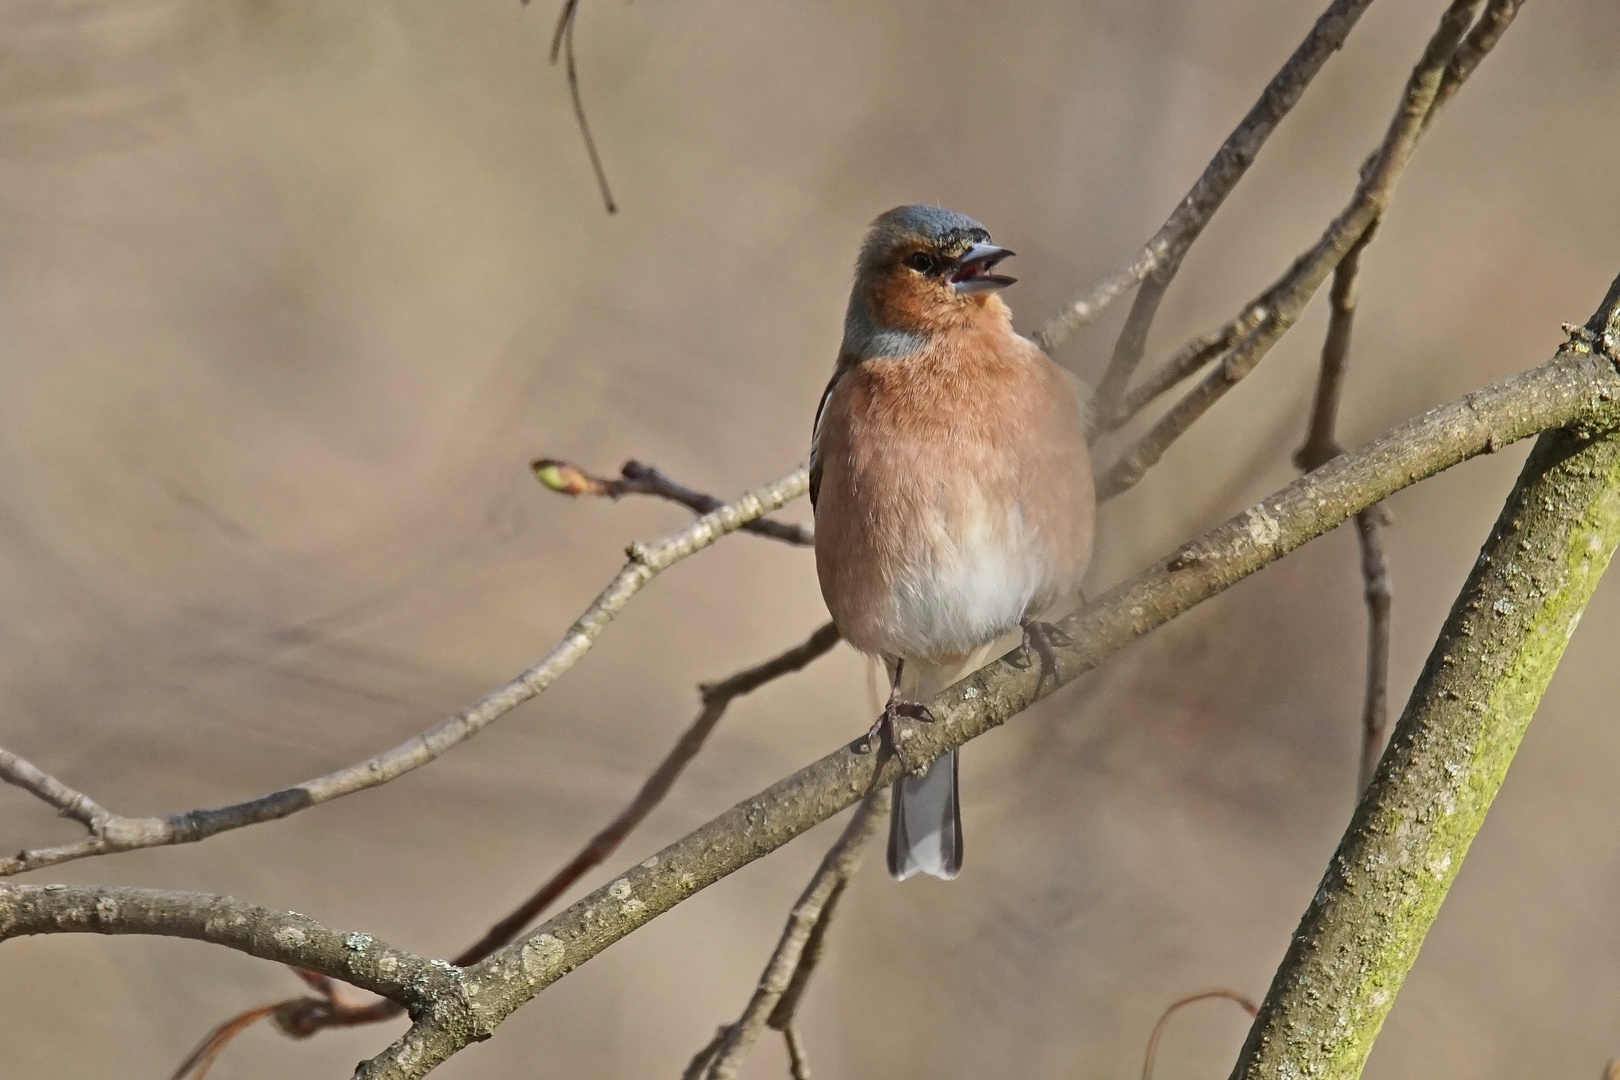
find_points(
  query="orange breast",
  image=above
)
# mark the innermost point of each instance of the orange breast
(956, 495)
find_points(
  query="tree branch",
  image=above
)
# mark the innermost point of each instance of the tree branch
(1449, 755)
(800, 948)
(425, 987)
(646, 561)
(1263, 322)
(636, 478)
(302, 1017)
(1575, 386)
(69, 803)
(1162, 254)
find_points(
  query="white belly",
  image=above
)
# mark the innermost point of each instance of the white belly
(965, 586)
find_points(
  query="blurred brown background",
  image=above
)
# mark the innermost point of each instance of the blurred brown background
(292, 291)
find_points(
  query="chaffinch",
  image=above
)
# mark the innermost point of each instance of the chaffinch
(952, 489)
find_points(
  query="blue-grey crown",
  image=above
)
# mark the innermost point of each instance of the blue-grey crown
(945, 228)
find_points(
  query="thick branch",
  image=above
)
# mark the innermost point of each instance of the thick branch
(422, 986)
(646, 561)
(1448, 757)
(1165, 250)
(1575, 385)
(638, 478)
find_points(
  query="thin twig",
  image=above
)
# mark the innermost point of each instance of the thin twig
(562, 42)
(69, 803)
(1281, 305)
(794, 952)
(1321, 445)
(1480, 41)
(1579, 386)
(1152, 1051)
(305, 1016)
(645, 562)
(716, 698)
(1375, 587)
(638, 478)
(798, 1062)
(1167, 247)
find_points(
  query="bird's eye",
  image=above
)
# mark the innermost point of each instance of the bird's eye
(922, 262)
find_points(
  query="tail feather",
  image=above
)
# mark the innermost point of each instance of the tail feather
(925, 824)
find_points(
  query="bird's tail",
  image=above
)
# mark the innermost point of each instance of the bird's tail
(925, 824)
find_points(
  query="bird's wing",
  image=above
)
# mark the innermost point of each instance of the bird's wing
(815, 435)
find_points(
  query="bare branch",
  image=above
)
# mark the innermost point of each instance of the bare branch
(1448, 757)
(645, 562)
(1152, 1053)
(1576, 387)
(284, 936)
(801, 944)
(716, 698)
(1481, 40)
(1276, 310)
(562, 41)
(1321, 444)
(636, 478)
(305, 1016)
(69, 803)
(1375, 587)
(1167, 247)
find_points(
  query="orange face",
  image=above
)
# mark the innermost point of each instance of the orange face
(924, 270)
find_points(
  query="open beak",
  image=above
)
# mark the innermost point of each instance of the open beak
(972, 273)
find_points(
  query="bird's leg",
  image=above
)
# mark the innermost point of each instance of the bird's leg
(1043, 639)
(883, 730)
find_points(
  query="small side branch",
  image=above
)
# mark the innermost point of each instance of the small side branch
(1375, 587)
(1276, 310)
(636, 478)
(562, 42)
(69, 803)
(776, 999)
(645, 562)
(1162, 254)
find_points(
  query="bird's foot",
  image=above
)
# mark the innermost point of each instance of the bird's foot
(883, 732)
(1043, 639)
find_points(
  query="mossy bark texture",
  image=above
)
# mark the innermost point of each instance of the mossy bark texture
(1446, 761)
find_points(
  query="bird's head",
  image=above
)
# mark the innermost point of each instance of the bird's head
(922, 270)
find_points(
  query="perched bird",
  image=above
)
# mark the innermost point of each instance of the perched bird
(953, 494)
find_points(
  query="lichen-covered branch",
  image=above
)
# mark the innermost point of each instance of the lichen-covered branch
(1165, 250)
(1576, 386)
(646, 561)
(425, 987)
(1448, 757)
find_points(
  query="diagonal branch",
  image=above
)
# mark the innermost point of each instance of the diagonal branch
(69, 803)
(636, 478)
(1280, 306)
(305, 1016)
(1448, 758)
(776, 998)
(1578, 386)
(646, 561)
(1162, 254)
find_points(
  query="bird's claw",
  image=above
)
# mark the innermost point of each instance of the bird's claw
(884, 732)
(1043, 639)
